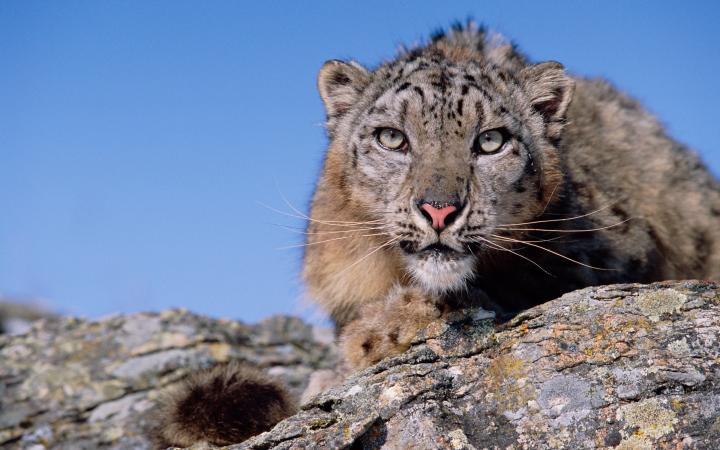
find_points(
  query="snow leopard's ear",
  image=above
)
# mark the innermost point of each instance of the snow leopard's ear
(550, 90)
(340, 85)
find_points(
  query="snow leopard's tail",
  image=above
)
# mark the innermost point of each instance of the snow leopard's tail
(221, 406)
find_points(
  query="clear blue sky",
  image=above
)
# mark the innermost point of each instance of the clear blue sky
(136, 137)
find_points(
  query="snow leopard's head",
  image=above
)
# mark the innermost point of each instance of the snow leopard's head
(446, 146)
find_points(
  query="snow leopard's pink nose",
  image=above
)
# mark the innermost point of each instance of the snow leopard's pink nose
(438, 216)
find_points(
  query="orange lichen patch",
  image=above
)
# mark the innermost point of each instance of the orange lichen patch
(624, 323)
(578, 345)
(603, 351)
(615, 339)
(634, 325)
(559, 327)
(569, 343)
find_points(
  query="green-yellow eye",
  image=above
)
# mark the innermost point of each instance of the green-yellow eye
(490, 141)
(392, 139)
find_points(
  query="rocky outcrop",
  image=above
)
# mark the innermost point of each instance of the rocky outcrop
(625, 366)
(74, 384)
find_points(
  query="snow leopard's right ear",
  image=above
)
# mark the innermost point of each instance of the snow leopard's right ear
(340, 85)
(551, 91)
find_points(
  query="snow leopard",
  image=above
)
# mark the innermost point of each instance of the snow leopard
(463, 174)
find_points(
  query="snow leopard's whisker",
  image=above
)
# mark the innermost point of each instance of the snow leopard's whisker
(339, 223)
(534, 241)
(469, 248)
(307, 244)
(305, 216)
(506, 239)
(373, 251)
(334, 223)
(302, 231)
(499, 247)
(547, 203)
(563, 219)
(375, 234)
(565, 231)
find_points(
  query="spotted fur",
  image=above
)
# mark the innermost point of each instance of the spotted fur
(588, 188)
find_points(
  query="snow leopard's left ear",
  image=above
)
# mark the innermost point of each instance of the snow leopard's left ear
(550, 90)
(340, 85)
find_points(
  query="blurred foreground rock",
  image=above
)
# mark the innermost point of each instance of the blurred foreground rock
(626, 366)
(74, 384)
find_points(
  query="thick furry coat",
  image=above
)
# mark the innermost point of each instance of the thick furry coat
(462, 174)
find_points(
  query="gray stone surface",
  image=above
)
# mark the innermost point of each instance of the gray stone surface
(625, 366)
(74, 384)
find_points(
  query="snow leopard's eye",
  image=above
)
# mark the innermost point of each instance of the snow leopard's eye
(489, 141)
(391, 139)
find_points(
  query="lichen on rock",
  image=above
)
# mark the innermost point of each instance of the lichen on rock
(624, 366)
(602, 367)
(74, 384)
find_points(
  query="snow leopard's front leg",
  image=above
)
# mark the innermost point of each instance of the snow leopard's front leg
(387, 328)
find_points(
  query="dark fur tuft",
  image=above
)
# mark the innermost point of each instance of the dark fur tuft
(468, 33)
(437, 34)
(221, 406)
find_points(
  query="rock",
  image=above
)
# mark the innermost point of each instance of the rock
(16, 316)
(623, 366)
(75, 384)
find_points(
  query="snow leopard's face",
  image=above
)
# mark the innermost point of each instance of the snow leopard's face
(445, 155)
